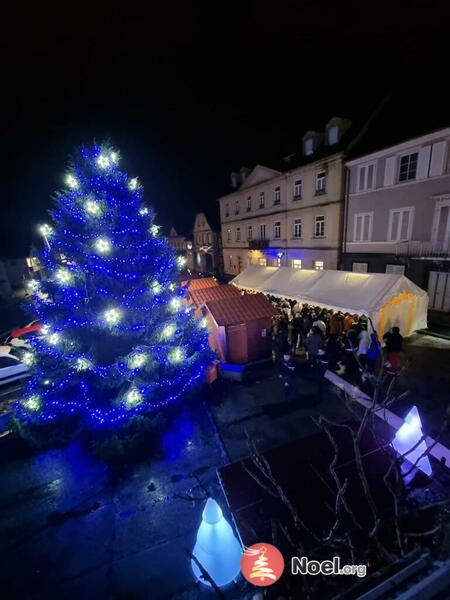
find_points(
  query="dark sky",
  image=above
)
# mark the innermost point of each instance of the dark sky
(190, 91)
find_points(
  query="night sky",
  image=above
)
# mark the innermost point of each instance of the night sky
(189, 92)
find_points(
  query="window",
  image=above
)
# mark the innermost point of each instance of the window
(262, 200)
(239, 264)
(366, 178)
(318, 265)
(297, 228)
(276, 262)
(362, 227)
(263, 262)
(230, 262)
(208, 237)
(262, 231)
(398, 269)
(408, 167)
(400, 224)
(228, 235)
(296, 263)
(249, 204)
(277, 195)
(277, 230)
(298, 189)
(319, 226)
(321, 182)
(227, 210)
(309, 146)
(238, 234)
(333, 135)
(236, 209)
(249, 233)
(359, 267)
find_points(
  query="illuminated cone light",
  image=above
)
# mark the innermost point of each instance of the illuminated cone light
(409, 434)
(217, 548)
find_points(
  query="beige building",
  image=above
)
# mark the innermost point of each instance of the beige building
(206, 245)
(182, 245)
(291, 215)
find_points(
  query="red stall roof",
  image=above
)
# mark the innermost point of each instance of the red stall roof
(218, 292)
(202, 282)
(240, 309)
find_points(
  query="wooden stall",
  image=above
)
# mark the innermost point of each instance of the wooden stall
(240, 327)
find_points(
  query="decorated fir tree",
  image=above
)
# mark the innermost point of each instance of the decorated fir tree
(118, 340)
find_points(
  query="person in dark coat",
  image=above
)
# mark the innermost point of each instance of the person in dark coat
(394, 343)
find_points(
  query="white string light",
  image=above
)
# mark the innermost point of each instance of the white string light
(103, 161)
(45, 230)
(168, 331)
(33, 402)
(72, 182)
(112, 316)
(63, 276)
(93, 208)
(133, 398)
(175, 303)
(176, 355)
(138, 360)
(103, 246)
(54, 339)
(156, 287)
(133, 183)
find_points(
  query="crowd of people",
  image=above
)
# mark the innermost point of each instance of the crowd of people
(343, 342)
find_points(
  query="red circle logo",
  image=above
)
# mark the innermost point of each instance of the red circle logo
(262, 564)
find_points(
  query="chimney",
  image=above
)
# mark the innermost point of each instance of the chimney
(244, 173)
(235, 179)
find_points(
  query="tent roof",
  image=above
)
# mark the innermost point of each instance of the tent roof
(362, 293)
(240, 309)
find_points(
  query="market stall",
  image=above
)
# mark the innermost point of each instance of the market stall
(388, 299)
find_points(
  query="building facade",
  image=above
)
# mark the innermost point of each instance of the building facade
(290, 216)
(206, 246)
(183, 246)
(397, 216)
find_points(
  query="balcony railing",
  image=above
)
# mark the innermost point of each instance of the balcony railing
(423, 249)
(258, 244)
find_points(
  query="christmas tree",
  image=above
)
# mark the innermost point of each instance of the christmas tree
(118, 339)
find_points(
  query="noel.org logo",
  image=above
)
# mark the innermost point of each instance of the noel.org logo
(262, 564)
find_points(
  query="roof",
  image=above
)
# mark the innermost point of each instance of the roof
(202, 282)
(217, 292)
(240, 309)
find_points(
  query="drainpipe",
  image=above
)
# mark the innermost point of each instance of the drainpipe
(344, 228)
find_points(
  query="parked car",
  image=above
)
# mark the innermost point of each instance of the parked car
(11, 369)
(28, 330)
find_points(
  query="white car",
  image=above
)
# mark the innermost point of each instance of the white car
(11, 369)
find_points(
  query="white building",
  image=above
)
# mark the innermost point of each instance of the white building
(291, 215)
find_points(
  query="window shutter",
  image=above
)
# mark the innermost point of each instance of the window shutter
(389, 170)
(423, 162)
(437, 159)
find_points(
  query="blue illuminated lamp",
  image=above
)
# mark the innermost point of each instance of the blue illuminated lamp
(406, 438)
(217, 548)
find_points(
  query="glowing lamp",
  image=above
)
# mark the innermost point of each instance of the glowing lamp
(176, 355)
(103, 161)
(32, 402)
(103, 246)
(93, 208)
(216, 548)
(63, 276)
(175, 303)
(112, 316)
(54, 339)
(137, 360)
(408, 436)
(133, 398)
(133, 183)
(45, 230)
(168, 331)
(72, 182)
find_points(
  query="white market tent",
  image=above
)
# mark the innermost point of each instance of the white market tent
(388, 299)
